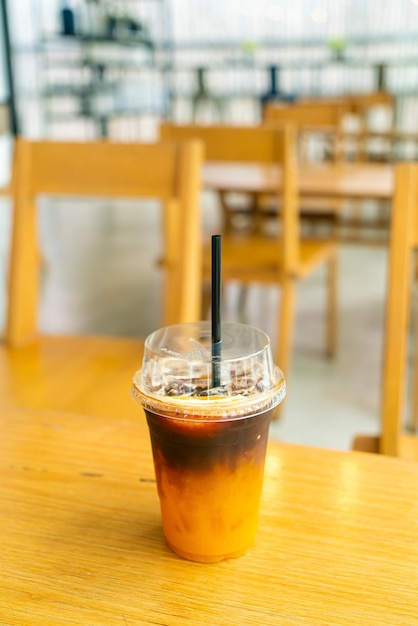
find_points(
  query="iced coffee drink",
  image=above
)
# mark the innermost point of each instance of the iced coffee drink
(208, 443)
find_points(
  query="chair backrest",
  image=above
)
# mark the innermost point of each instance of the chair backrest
(362, 102)
(169, 172)
(311, 113)
(373, 111)
(403, 240)
(274, 146)
(312, 117)
(331, 111)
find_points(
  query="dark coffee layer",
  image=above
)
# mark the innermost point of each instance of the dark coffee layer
(201, 444)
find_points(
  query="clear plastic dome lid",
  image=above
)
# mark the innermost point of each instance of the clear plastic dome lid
(177, 372)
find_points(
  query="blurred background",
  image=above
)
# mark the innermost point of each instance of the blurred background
(91, 69)
(109, 67)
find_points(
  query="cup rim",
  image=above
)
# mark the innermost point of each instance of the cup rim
(213, 408)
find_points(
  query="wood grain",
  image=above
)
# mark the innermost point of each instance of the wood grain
(81, 541)
(76, 374)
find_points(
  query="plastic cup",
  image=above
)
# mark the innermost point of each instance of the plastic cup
(208, 444)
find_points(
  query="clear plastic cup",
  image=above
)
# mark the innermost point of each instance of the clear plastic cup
(208, 443)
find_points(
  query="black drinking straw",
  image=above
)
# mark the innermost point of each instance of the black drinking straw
(216, 311)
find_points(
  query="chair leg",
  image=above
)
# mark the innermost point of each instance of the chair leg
(242, 303)
(206, 302)
(286, 321)
(286, 324)
(413, 419)
(332, 307)
(227, 225)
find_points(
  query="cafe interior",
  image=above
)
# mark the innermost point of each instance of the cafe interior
(132, 134)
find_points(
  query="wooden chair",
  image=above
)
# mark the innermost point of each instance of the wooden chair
(364, 107)
(93, 373)
(403, 241)
(352, 120)
(216, 149)
(369, 145)
(320, 134)
(253, 257)
(323, 119)
(353, 222)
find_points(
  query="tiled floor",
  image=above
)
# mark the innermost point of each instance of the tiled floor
(100, 275)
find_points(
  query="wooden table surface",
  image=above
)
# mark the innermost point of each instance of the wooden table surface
(81, 541)
(344, 180)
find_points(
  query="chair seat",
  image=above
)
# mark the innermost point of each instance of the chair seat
(77, 374)
(259, 259)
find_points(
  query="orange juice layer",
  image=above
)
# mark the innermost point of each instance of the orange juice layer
(209, 477)
(211, 515)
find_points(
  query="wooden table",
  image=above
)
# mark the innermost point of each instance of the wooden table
(81, 541)
(336, 180)
(325, 186)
